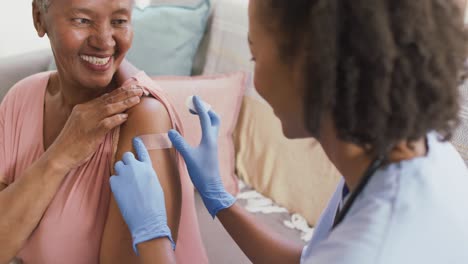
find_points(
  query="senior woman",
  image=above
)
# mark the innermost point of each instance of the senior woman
(60, 134)
(375, 81)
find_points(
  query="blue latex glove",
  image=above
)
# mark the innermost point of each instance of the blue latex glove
(202, 161)
(140, 197)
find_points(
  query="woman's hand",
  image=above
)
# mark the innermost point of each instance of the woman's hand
(140, 197)
(88, 124)
(202, 161)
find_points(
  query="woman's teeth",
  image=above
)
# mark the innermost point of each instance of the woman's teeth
(95, 60)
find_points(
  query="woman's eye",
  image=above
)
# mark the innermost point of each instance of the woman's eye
(119, 22)
(82, 21)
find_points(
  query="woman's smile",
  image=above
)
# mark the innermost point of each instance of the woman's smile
(97, 63)
(89, 39)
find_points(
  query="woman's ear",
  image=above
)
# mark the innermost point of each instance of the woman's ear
(38, 20)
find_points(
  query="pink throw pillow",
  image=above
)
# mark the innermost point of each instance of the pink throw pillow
(224, 93)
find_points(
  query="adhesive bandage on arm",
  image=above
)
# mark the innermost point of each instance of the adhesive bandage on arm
(162, 141)
(156, 141)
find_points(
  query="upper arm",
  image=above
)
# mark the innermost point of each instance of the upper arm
(149, 117)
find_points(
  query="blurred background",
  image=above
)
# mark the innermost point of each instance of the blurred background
(19, 36)
(18, 33)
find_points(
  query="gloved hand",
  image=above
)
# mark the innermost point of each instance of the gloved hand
(140, 197)
(202, 161)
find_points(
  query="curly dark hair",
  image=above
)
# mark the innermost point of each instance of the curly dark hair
(386, 70)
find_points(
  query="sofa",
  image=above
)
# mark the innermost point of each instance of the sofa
(224, 49)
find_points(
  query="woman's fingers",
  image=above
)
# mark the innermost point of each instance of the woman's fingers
(121, 106)
(112, 122)
(123, 94)
(88, 123)
(118, 101)
(117, 95)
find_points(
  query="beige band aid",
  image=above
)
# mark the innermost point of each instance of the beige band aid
(156, 141)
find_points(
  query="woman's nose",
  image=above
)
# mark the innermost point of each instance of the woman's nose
(103, 38)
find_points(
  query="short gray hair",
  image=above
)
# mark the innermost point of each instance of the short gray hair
(43, 5)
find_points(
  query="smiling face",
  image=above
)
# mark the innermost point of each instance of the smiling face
(89, 38)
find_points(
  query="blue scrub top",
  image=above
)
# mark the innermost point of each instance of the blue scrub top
(411, 212)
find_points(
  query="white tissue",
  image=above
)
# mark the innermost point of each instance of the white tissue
(257, 203)
(299, 223)
(249, 195)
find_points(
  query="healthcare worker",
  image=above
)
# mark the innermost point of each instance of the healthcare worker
(375, 82)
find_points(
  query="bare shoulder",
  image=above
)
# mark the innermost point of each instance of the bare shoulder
(150, 115)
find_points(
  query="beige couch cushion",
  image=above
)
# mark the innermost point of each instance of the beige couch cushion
(294, 173)
(224, 93)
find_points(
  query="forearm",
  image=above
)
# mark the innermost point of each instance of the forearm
(258, 243)
(156, 251)
(24, 202)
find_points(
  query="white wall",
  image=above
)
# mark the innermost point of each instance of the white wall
(17, 33)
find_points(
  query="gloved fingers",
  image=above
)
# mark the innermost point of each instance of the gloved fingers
(141, 151)
(128, 158)
(157, 185)
(205, 121)
(179, 143)
(215, 120)
(118, 167)
(114, 182)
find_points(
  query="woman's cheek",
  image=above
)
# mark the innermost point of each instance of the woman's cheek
(126, 39)
(258, 79)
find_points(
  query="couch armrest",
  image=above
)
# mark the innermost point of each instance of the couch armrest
(16, 68)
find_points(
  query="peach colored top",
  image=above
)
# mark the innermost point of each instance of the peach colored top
(72, 226)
